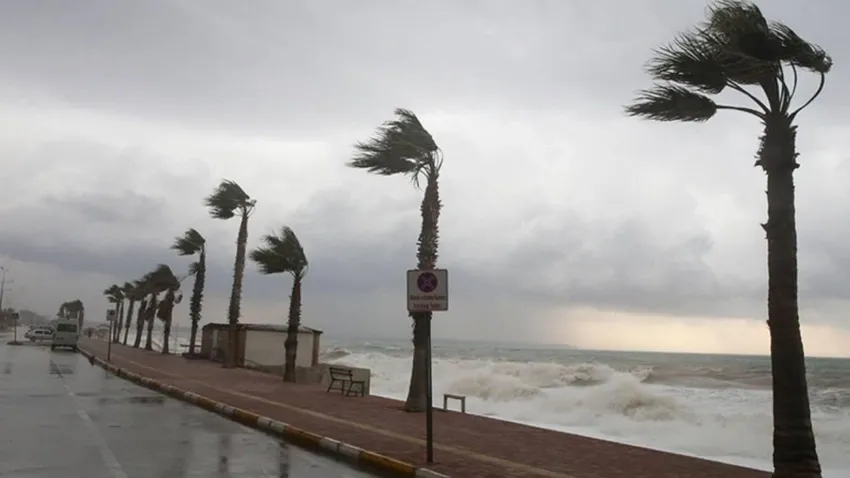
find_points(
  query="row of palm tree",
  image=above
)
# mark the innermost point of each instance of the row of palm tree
(735, 49)
(280, 253)
(73, 310)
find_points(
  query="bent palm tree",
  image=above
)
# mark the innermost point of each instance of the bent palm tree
(131, 293)
(115, 296)
(165, 280)
(191, 243)
(404, 146)
(737, 48)
(142, 290)
(227, 201)
(283, 253)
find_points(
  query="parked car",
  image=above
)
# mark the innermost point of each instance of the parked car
(39, 335)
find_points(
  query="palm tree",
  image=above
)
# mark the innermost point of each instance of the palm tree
(131, 293)
(73, 310)
(191, 243)
(283, 253)
(114, 295)
(166, 281)
(404, 146)
(737, 48)
(143, 311)
(227, 201)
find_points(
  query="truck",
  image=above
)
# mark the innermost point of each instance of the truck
(66, 334)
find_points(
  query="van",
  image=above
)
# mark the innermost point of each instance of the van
(66, 334)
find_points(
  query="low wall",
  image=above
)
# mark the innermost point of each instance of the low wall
(317, 375)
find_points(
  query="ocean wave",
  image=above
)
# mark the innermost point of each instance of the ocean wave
(705, 412)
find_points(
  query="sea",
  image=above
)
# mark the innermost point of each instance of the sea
(716, 407)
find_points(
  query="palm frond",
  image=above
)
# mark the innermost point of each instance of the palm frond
(692, 60)
(672, 103)
(194, 267)
(190, 243)
(114, 294)
(400, 146)
(162, 278)
(281, 252)
(800, 53)
(227, 200)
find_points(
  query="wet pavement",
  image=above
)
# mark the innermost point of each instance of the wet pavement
(61, 416)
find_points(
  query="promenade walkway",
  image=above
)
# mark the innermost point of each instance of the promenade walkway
(466, 446)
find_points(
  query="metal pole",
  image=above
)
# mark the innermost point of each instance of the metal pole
(429, 411)
(2, 287)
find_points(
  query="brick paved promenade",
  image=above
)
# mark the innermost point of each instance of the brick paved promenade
(466, 446)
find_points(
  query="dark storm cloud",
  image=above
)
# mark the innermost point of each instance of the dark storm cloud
(283, 68)
(315, 64)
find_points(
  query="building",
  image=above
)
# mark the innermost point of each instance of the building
(260, 345)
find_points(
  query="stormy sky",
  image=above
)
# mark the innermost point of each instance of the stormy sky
(564, 221)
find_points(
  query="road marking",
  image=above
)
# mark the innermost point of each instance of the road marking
(112, 463)
(398, 436)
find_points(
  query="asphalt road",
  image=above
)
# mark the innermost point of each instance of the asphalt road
(61, 416)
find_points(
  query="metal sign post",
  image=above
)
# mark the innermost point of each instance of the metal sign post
(15, 316)
(428, 291)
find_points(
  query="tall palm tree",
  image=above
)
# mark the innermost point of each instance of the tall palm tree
(121, 313)
(283, 253)
(73, 310)
(226, 202)
(131, 293)
(143, 311)
(114, 295)
(403, 146)
(189, 244)
(738, 49)
(166, 282)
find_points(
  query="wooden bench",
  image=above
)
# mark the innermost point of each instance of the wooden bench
(460, 398)
(345, 378)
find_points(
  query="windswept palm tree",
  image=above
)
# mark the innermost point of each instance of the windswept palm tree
(739, 50)
(226, 202)
(189, 244)
(283, 253)
(166, 281)
(73, 310)
(143, 289)
(114, 295)
(404, 146)
(131, 293)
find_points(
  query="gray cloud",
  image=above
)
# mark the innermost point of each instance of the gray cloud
(120, 118)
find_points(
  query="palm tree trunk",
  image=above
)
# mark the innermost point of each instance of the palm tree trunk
(794, 450)
(129, 320)
(119, 315)
(140, 323)
(236, 292)
(168, 309)
(417, 400)
(150, 318)
(291, 343)
(166, 335)
(197, 299)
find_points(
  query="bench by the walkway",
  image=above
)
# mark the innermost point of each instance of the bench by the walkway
(347, 384)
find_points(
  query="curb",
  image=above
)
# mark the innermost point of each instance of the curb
(283, 430)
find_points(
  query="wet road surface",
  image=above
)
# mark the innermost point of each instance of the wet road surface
(61, 416)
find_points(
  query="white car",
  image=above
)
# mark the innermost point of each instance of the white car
(39, 335)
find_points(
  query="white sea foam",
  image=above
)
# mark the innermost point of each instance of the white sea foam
(724, 424)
